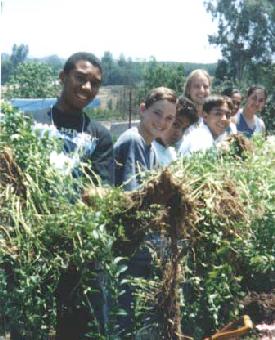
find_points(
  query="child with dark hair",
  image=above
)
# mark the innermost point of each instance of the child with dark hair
(187, 115)
(71, 62)
(167, 146)
(134, 152)
(84, 139)
(216, 118)
(236, 97)
(247, 120)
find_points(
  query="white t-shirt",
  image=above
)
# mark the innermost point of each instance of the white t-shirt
(194, 126)
(199, 139)
(165, 155)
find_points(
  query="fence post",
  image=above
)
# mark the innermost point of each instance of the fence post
(130, 109)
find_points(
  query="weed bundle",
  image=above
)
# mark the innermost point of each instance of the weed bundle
(213, 215)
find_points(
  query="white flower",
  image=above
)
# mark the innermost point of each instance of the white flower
(45, 129)
(64, 164)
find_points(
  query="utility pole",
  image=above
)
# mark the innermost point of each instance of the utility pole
(130, 109)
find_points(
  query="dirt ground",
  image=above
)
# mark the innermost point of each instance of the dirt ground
(261, 309)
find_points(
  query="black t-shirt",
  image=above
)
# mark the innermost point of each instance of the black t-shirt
(98, 146)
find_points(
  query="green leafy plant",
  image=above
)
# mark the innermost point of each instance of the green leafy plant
(217, 229)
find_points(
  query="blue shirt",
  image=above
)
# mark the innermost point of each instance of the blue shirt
(248, 131)
(132, 157)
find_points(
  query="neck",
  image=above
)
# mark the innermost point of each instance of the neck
(66, 109)
(248, 114)
(215, 136)
(144, 133)
(68, 120)
(162, 142)
(199, 109)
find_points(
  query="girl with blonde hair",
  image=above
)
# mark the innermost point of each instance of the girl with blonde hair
(197, 88)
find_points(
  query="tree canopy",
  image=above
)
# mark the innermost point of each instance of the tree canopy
(32, 80)
(246, 35)
(9, 63)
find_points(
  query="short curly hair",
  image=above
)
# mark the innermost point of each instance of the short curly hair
(217, 101)
(186, 108)
(74, 58)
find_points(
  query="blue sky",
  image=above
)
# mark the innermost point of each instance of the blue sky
(169, 30)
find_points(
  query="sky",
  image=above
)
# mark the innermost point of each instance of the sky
(169, 30)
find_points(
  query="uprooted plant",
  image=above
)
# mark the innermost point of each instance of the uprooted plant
(214, 213)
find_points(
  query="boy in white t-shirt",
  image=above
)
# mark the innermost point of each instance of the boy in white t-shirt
(216, 118)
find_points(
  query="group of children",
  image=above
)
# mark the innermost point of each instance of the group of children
(169, 128)
(172, 127)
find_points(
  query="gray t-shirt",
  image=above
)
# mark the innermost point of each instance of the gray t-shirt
(132, 157)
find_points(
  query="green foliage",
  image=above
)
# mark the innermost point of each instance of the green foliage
(121, 71)
(19, 54)
(32, 80)
(228, 248)
(164, 74)
(221, 70)
(245, 35)
(45, 234)
(6, 70)
(189, 67)
(8, 65)
(233, 252)
(128, 72)
(54, 62)
(115, 72)
(268, 114)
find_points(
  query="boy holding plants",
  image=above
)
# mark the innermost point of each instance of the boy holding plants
(133, 150)
(83, 140)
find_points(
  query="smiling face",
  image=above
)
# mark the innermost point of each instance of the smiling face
(199, 89)
(80, 86)
(156, 119)
(174, 134)
(256, 101)
(236, 100)
(217, 119)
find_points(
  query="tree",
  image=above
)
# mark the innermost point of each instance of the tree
(54, 62)
(221, 70)
(19, 54)
(6, 70)
(32, 80)
(9, 63)
(246, 33)
(164, 74)
(107, 63)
